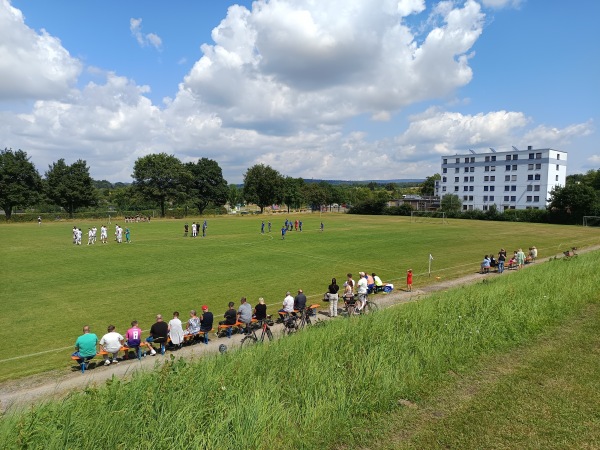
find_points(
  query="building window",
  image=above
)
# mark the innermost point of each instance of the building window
(513, 188)
(491, 198)
(486, 169)
(506, 188)
(508, 157)
(444, 170)
(536, 187)
(493, 178)
(492, 188)
(466, 179)
(508, 167)
(537, 177)
(455, 188)
(506, 198)
(443, 188)
(487, 159)
(456, 179)
(485, 198)
(457, 160)
(529, 187)
(485, 207)
(470, 198)
(512, 207)
(556, 177)
(485, 188)
(536, 198)
(486, 178)
(465, 197)
(530, 177)
(506, 177)
(443, 179)
(472, 179)
(466, 188)
(513, 198)
(471, 188)
(464, 207)
(472, 169)
(466, 160)
(558, 156)
(472, 159)
(513, 178)
(538, 166)
(466, 170)
(538, 156)
(529, 197)
(529, 166)
(493, 168)
(557, 167)
(514, 167)
(531, 155)
(515, 157)
(456, 170)
(493, 157)
(445, 161)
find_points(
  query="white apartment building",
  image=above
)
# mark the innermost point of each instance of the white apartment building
(517, 179)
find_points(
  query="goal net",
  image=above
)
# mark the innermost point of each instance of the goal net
(591, 221)
(436, 217)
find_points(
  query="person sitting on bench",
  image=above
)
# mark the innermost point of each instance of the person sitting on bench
(159, 332)
(111, 343)
(206, 322)
(86, 346)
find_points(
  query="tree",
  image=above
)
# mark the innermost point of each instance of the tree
(292, 192)
(573, 201)
(159, 177)
(263, 186)
(70, 187)
(316, 195)
(20, 182)
(234, 196)
(428, 186)
(451, 203)
(206, 184)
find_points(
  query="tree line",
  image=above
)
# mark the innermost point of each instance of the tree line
(162, 181)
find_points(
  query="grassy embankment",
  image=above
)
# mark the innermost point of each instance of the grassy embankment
(345, 383)
(51, 288)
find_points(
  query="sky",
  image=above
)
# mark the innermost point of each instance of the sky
(336, 89)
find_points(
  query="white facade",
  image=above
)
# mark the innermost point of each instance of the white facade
(518, 179)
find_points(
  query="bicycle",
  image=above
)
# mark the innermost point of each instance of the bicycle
(369, 307)
(252, 338)
(349, 305)
(305, 316)
(290, 323)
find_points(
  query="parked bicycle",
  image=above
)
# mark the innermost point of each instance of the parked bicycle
(264, 326)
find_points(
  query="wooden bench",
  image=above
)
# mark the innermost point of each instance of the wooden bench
(194, 337)
(228, 329)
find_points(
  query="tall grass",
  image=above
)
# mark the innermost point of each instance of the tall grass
(326, 386)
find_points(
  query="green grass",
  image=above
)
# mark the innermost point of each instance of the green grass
(50, 288)
(341, 384)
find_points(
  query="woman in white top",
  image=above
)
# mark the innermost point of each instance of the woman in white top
(176, 330)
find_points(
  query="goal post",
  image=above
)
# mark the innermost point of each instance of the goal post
(436, 217)
(591, 221)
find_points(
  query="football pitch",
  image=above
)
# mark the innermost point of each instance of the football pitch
(50, 288)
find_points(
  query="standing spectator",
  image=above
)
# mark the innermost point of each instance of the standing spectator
(260, 310)
(39, 221)
(349, 288)
(520, 257)
(409, 277)
(86, 345)
(269, 226)
(111, 343)
(361, 290)
(296, 224)
(300, 225)
(245, 314)
(332, 293)
(501, 260)
(204, 227)
(186, 229)
(533, 253)
(194, 229)
(262, 227)
(300, 301)
(159, 332)
(127, 236)
(322, 226)
(176, 330)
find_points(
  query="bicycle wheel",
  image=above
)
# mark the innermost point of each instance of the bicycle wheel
(248, 341)
(269, 334)
(371, 307)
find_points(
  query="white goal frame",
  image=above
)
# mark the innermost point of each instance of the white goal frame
(587, 218)
(436, 217)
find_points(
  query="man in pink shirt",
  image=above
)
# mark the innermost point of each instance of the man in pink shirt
(133, 338)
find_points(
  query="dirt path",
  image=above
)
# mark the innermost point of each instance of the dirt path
(57, 384)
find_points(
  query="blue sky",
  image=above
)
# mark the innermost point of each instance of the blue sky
(344, 89)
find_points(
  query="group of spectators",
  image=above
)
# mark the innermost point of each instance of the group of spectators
(518, 260)
(365, 285)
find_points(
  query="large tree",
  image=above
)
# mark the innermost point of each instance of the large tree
(263, 186)
(70, 187)
(206, 184)
(158, 177)
(20, 182)
(451, 203)
(292, 192)
(574, 201)
(428, 186)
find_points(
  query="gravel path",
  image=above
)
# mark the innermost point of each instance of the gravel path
(57, 384)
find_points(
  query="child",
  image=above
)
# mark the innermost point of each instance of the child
(409, 280)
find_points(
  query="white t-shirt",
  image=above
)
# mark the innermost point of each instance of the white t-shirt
(362, 286)
(288, 304)
(111, 341)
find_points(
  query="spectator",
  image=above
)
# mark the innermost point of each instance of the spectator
(378, 282)
(230, 315)
(361, 290)
(300, 301)
(370, 283)
(111, 343)
(193, 324)
(409, 278)
(501, 260)
(485, 264)
(86, 345)
(133, 337)
(520, 258)
(332, 293)
(206, 322)
(176, 330)
(260, 310)
(245, 314)
(159, 332)
(288, 303)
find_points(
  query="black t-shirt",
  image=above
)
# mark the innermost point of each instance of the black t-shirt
(159, 330)
(230, 317)
(300, 301)
(333, 288)
(206, 322)
(261, 312)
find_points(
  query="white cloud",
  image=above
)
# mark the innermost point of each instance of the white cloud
(499, 4)
(543, 135)
(33, 65)
(152, 39)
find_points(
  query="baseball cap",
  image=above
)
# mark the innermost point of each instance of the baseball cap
(204, 308)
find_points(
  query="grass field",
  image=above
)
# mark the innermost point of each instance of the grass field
(506, 363)
(50, 288)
